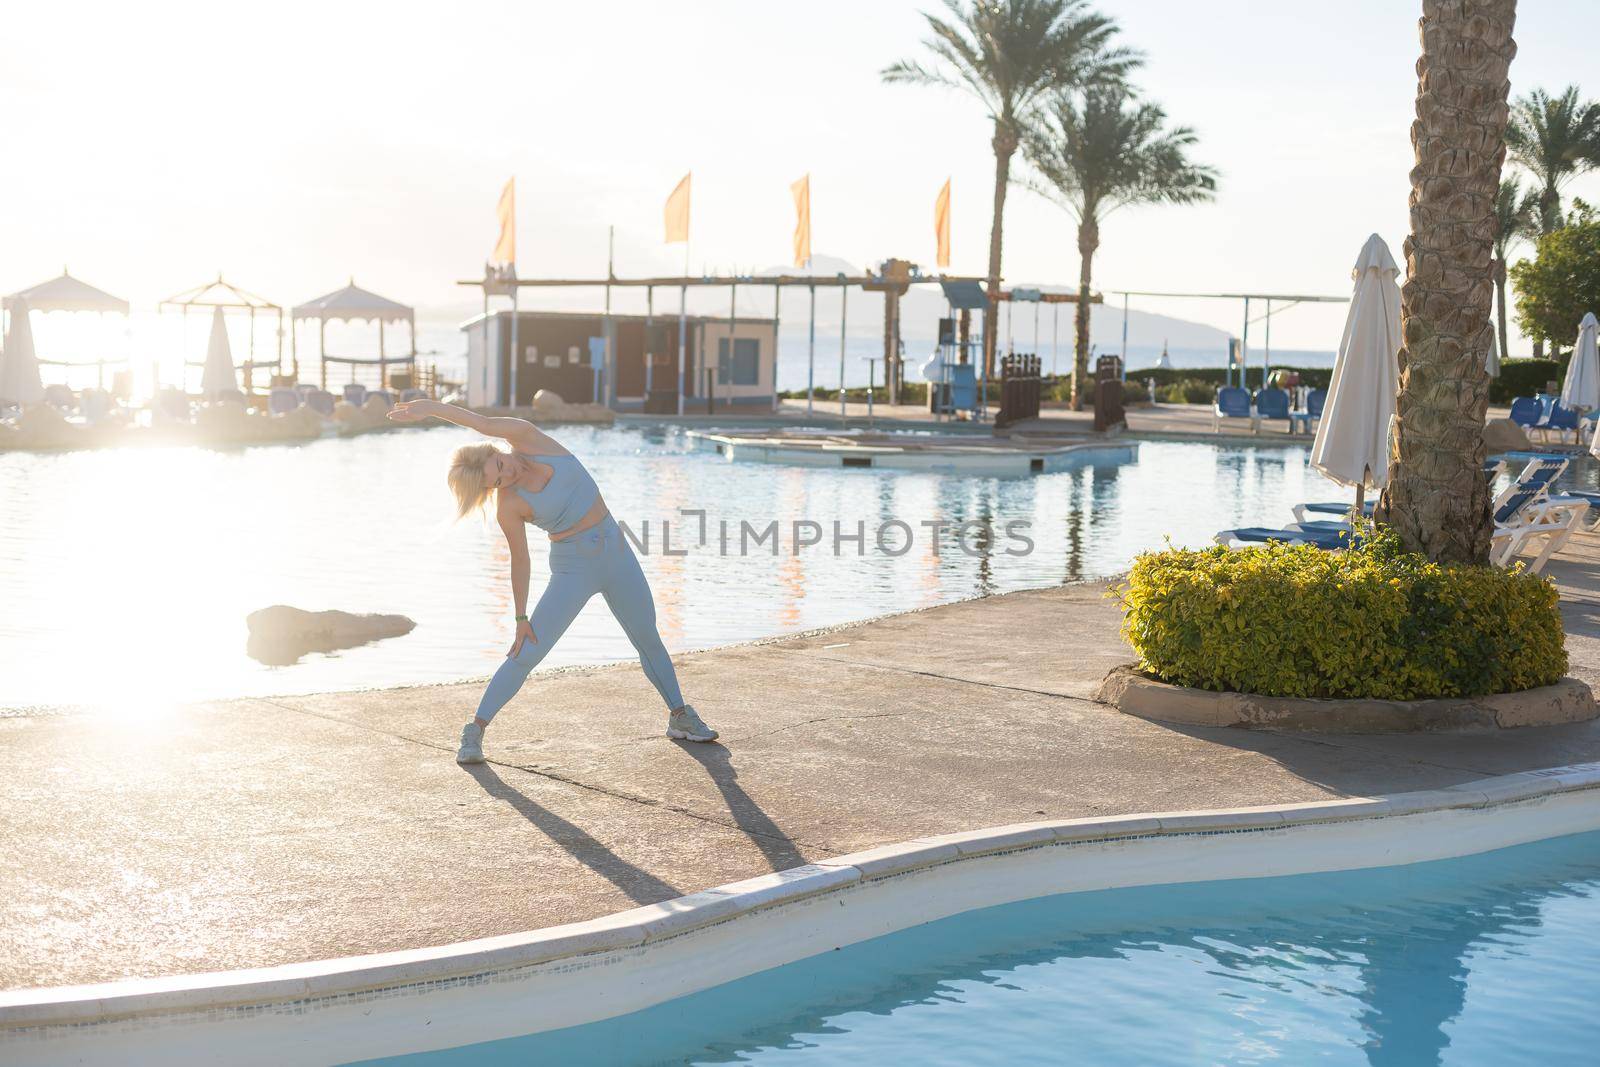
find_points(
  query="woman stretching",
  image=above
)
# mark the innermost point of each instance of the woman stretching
(540, 482)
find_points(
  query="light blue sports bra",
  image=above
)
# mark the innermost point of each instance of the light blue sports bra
(565, 498)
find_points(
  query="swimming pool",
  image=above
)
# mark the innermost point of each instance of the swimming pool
(1488, 959)
(1337, 929)
(144, 562)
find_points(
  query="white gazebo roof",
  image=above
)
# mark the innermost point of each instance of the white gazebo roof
(67, 293)
(353, 302)
(219, 293)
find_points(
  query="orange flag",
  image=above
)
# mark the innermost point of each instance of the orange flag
(677, 213)
(802, 220)
(505, 249)
(941, 224)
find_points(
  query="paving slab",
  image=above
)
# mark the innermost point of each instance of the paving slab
(254, 832)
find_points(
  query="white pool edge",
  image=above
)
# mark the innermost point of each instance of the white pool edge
(422, 999)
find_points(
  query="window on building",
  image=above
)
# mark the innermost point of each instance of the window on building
(745, 367)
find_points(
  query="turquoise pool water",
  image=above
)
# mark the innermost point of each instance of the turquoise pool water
(1486, 960)
(152, 557)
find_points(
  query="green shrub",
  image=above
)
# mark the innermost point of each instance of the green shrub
(1374, 621)
(1187, 391)
(1524, 377)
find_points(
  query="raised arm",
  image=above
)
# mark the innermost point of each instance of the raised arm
(517, 431)
(517, 541)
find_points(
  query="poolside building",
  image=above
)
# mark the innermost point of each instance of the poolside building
(627, 362)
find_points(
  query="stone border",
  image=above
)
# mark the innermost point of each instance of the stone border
(1135, 693)
(298, 989)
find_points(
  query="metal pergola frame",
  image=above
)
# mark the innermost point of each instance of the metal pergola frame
(890, 284)
(235, 299)
(1288, 300)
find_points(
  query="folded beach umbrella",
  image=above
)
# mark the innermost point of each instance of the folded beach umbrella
(1352, 445)
(218, 375)
(1491, 362)
(19, 367)
(1581, 389)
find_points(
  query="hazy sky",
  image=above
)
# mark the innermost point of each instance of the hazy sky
(292, 145)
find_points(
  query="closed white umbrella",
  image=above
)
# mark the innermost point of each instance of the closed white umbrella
(218, 375)
(19, 367)
(1352, 445)
(1491, 362)
(1581, 389)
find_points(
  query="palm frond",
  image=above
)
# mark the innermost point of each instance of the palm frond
(1011, 54)
(1103, 149)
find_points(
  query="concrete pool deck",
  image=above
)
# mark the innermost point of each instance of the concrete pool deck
(262, 831)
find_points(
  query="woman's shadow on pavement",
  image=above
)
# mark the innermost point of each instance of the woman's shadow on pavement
(748, 816)
(638, 884)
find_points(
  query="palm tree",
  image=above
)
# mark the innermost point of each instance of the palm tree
(1515, 218)
(1101, 150)
(1437, 498)
(1010, 54)
(1556, 138)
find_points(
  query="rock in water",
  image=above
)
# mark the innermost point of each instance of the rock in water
(1503, 435)
(280, 635)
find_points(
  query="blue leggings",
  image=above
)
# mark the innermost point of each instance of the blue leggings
(597, 560)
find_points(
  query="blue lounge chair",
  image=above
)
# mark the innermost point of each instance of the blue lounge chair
(1527, 412)
(61, 398)
(1528, 511)
(1491, 467)
(282, 400)
(384, 395)
(963, 387)
(1540, 473)
(321, 401)
(412, 394)
(1307, 419)
(1331, 507)
(1272, 404)
(355, 393)
(1561, 420)
(96, 405)
(1315, 401)
(1232, 403)
(1328, 536)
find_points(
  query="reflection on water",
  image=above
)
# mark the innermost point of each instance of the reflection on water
(126, 575)
(1486, 960)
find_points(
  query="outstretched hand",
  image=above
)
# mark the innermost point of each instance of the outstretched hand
(407, 411)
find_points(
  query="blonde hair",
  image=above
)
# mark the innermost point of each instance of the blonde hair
(466, 478)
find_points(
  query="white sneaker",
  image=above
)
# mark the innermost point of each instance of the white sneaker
(471, 744)
(685, 724)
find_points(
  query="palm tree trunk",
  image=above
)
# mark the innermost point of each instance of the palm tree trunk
(1549, 209)
(1438, 497)
(1088, 243)
(1005, 146)
(1500, 307)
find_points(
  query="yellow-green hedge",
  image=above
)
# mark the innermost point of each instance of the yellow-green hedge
(1375, 621)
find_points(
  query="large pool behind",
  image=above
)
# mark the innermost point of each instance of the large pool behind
(128, 573)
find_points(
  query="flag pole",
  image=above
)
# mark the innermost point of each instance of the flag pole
(844, 303)
(777, 317)
(1055, 337)
(611, 272)
(683, 321)
(811, 356)
(515, 355)
(649, 329)
(733, 314)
